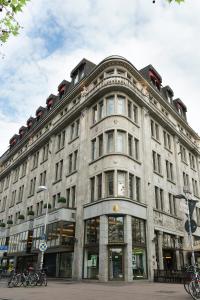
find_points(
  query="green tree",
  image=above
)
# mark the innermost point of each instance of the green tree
(8, 24)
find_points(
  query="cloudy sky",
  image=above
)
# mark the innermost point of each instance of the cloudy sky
(57, 34)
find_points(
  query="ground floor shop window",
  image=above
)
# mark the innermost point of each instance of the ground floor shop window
(139, 263)
(116, 263)
(65, 268)
(91, 267)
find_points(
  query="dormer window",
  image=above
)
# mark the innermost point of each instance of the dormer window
(181, 108)
(22, 131)
(76, 79)
(50, 101)
(39, 112)
(81, 73)
(13, 140)
(154, 79)
(29, 124)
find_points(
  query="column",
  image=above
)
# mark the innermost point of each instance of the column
(178, 262)
(128, 271)
(160, 250)
(103, 249)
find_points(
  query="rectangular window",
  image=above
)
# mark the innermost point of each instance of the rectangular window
(110, 141)
(136, 148)
(135, 114)
(94, 114)
(172, 204)
(20, 194)
(167, 140)
(100, 107)
(72, 132)
(92, 189)
(121, 137)
(186, 183)
(32, 186)
(159, 201)
(129, 109)
(68, 197)
(99, 186)
(77, 127)
(70, 163)
(115, 229)
(58, 170)
(60, 140)
(35, 160)
(100, 140)
(23, 170)
(138, 189)
(110, 105)
(73, 193)
(183, 154)
(16, 175)
(121, 183)
(45, 153)
(156, 162)
(192, 161)
(13, 197)
(75, 159)
(7, 181)
(130, 145)
(169, 171)
(154, 130)
(121, 104)
(195, 187)
(109, 176)
(131, 186)
(94, 149)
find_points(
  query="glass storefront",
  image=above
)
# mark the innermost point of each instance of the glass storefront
(65, 267)
(115, 229)
(91, 251)
(58, 234)
(139, 263)
(139, 266)
(116, 263)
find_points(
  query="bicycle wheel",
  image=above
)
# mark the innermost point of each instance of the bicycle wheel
(194, 289)
(186, 286)
(11, 282)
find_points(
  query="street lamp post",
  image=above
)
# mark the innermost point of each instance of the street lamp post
(189, 222)
(44, 188)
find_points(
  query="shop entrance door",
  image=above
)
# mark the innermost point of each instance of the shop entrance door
(116, 263)
(169, 260)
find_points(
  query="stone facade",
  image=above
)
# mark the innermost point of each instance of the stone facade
(116, 145)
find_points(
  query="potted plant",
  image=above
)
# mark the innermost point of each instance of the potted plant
(62, 202)
(2, 224)
(20, 219)
(30, 215)
(49, 206)
(10, 222)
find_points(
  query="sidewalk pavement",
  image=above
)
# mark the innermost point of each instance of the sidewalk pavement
(70, 290)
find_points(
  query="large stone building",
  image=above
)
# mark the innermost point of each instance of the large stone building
(113, 148)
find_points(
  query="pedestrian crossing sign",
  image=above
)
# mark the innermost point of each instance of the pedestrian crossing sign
(43, 246)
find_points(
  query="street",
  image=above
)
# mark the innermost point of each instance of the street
(68, 290)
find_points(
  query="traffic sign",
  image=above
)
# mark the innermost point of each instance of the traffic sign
(3, 248)
(193, 226)
(43, 246)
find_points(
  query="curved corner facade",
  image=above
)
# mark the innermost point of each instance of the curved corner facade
(113, 149)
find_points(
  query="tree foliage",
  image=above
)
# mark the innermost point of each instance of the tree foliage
(8, 24)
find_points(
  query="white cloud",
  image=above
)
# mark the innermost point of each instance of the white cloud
(161, 34)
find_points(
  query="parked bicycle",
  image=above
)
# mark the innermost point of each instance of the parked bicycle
(192, 282)
(28, 278)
